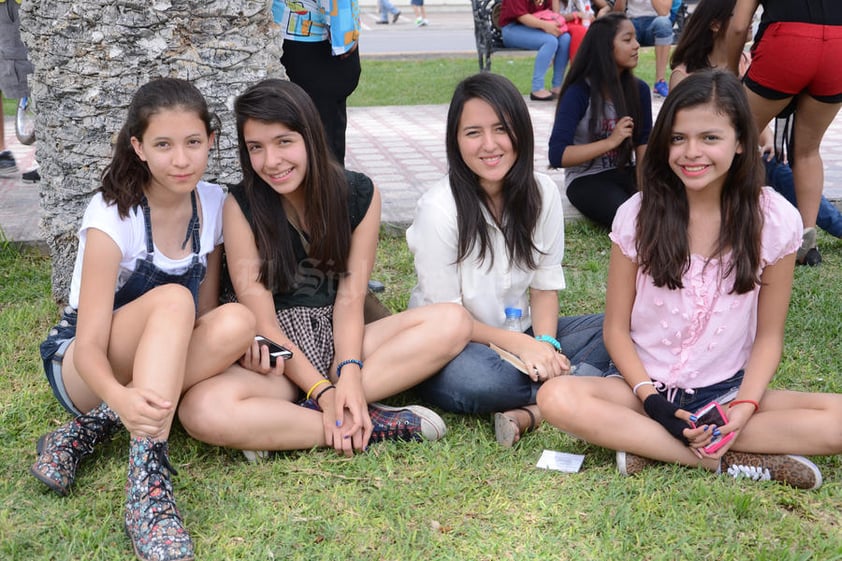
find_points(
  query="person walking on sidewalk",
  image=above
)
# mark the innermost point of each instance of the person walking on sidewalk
(386, 9)
(420, 13)
(14, 68)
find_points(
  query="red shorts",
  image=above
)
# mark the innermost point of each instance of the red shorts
(794, 57)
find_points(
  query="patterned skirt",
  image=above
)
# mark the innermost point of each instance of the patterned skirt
(311, 329)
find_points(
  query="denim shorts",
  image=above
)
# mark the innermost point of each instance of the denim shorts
(694, 399)
(52, 354)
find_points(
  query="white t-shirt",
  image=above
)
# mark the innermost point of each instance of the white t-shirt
(130, 236)
(640, 8)
(433, 239)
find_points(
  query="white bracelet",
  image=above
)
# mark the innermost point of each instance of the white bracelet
(643, 383)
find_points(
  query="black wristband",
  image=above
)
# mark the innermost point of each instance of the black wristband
(318, 395)
(663, 411)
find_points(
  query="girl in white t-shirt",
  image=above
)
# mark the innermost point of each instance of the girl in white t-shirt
(142, 323)
(698, 289)
(490, 236)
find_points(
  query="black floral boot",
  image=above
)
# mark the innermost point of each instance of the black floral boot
(153, 522)
(61, 451)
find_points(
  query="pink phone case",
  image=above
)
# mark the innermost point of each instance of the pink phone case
(712, 413)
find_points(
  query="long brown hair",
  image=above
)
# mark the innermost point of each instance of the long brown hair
(324, 186)
(126, 176)
(663, 246)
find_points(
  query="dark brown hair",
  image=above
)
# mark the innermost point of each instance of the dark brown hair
(663, 246)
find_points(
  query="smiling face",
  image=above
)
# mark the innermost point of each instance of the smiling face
(626, 47)
(703, 144)
(277, 153)
(175, 146)
(485, 145)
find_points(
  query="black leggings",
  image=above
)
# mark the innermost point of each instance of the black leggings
(598, 196)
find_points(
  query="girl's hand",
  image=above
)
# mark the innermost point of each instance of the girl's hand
(670, 416)
(143, 412)
(623, 129)
(541, 359)
(738, 417)
(550, 27)
(256, 359)
(351, 409)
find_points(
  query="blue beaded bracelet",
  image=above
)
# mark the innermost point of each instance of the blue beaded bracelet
(345, 363)
(551, 340)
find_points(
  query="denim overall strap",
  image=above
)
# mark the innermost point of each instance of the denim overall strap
(147, 276)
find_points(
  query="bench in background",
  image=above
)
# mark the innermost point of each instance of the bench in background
(489, 37)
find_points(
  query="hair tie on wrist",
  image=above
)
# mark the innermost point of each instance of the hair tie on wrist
(316, 385)
(550, 340)
(739, 401)
(346, 363)
(319, 395)
(638, 385)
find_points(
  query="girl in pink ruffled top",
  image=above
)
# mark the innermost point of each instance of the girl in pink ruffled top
(699, 284)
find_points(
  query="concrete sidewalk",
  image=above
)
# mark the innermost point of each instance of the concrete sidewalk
(400, 147)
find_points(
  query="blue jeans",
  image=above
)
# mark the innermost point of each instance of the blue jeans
(385, 7)
(653, 30)
(779, 176)
(550, 49)
(478, 381)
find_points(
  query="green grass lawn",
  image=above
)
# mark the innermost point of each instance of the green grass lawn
(461, 498)
(431, 81)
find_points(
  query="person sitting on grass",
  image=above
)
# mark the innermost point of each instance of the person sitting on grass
(142, 324)
(699, 283)
(300, 240)
(490, 236)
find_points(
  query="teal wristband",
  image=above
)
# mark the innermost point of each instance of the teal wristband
(551, 340)
(345, 363)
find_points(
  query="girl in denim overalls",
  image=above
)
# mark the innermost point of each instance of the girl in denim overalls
(142, 324)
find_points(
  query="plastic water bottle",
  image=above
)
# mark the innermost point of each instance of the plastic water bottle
(513, 320)
(586, 21)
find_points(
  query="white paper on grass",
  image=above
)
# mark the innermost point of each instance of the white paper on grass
(560, 461)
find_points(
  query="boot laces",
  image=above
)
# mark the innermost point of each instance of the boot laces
(159, 491)
(91, 431)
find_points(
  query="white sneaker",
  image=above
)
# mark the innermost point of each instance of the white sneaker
(255, 456)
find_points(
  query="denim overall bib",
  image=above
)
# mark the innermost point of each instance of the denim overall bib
(144, 278)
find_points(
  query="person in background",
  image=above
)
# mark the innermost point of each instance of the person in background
(603, 120)
(699, 283)
(321, 54)
(143, 322)
(14, 68)
(300, 242)
(703, 45)
(522, 28)
(797, 53)
(578, 14)
(490, 236)
(420, 13)
(386, 9)
(652, 23)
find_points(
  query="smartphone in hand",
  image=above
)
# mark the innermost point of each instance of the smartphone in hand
(276, 351)
(713, 414)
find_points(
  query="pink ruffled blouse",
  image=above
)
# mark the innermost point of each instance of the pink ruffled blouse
(702, 333)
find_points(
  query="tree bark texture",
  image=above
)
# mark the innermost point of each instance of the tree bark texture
(90, 57)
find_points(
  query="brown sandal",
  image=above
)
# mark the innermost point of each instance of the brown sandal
(507, 431)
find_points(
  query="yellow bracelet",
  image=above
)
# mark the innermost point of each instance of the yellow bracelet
(314, 386)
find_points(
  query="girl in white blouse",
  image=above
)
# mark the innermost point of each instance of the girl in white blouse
(490, 236)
